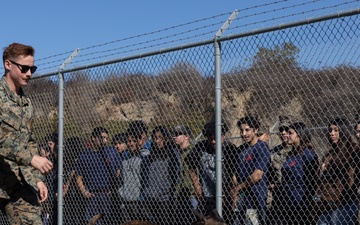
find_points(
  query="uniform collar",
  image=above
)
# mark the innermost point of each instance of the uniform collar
(20, 99)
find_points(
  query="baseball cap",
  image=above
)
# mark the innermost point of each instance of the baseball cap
(284, 122)
(182, 129)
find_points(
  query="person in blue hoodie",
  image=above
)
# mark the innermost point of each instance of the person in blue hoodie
(96, 168)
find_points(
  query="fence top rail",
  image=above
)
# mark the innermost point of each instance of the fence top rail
(205, 42)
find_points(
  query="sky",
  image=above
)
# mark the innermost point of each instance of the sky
(57, 26)
(54, 27)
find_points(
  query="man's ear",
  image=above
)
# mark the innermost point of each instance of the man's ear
(7, 65)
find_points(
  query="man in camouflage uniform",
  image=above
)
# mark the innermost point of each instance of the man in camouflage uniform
(186, 198)
(277, 158)
(21, 167)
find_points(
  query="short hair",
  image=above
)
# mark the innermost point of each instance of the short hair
(134, 132)
(163, 130)
(138, 125)
(182, 129)
(119, 138)
(209, 128)
(97, 131)
(252, 122)
(15, 50)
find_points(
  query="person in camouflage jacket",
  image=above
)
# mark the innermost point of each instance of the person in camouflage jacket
(21, 168)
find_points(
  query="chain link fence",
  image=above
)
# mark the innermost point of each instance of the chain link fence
(307, 71)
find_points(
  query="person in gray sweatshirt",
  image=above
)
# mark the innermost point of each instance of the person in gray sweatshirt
(128, 200)
(162, 169)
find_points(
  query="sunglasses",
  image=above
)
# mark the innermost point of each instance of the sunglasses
(24, 68)
(286, 129)
(177, 134)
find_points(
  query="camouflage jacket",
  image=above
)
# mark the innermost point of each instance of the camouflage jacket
(185, 188)
(277, 157)
(17, 147)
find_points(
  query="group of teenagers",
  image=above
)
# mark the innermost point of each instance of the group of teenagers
(306, 189)
(161, 179)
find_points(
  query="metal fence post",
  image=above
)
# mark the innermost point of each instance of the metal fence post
(218, 121)
(218, 128)
(61, 137)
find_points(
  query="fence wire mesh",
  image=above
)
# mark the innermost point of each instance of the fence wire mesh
(123, 155)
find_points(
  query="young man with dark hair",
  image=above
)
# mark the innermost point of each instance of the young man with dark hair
(128, 193)
(95, 169)
(201, 162)
(250, 192)
(140, 126)
(21, 182)
(119, 142)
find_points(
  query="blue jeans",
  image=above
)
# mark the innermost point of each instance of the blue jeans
(99, 204)
(344, 215)
(250, 217)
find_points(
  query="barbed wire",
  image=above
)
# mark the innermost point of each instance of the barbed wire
(159, 31)
(186, 33)
(91, 56)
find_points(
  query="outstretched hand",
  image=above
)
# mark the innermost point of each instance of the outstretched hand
(42, 164)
